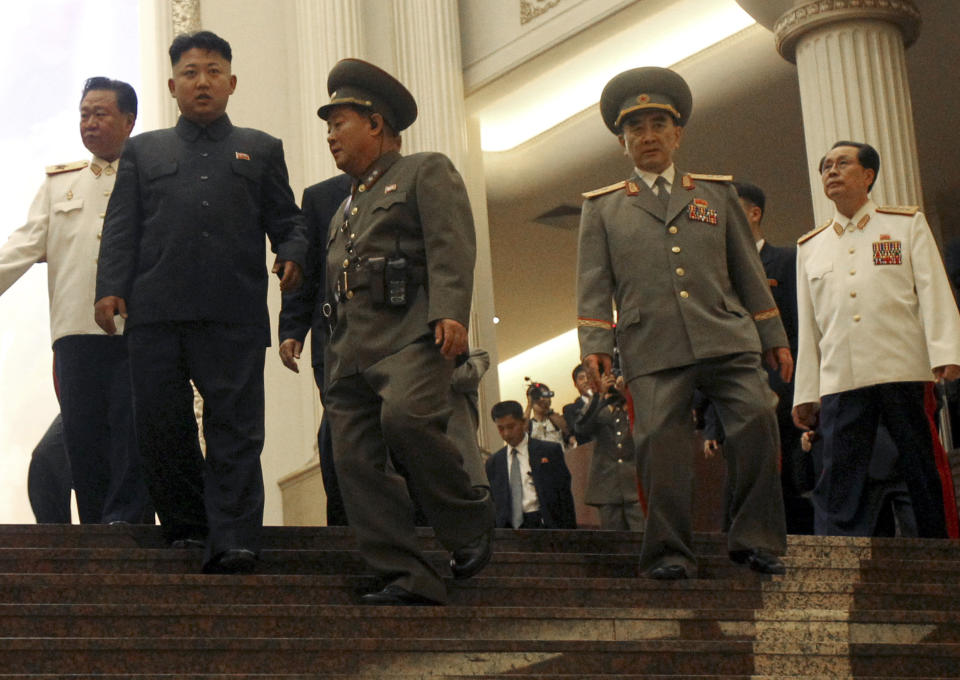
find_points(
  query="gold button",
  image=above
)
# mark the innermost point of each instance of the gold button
(619, 460)
(852, 272)
(106, 193)
(684, 294)
(851, 251)
(853, 293)
(680, 271)
(353, 210)
(99, 235)
(619, 446)
(676, 249)
(102, 215)
(346, 263)
(672, 230)
(349, 294)
(362, 188)
(856, 317)
(353, 236)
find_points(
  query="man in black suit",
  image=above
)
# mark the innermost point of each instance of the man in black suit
(302, 310)
(529, 478)
(572, 411)
(183, 259)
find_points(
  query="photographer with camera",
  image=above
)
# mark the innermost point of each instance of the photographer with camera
(612, 486)
(542, 421)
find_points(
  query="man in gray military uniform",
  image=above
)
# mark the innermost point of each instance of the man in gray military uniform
(675, 254)
(400, 258)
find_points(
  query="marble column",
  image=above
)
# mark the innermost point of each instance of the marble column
(427, 34)
(850, 57)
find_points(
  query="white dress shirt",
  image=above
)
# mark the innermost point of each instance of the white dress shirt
(531, 503)
(874, 305)
(63, 227)
(650, 178)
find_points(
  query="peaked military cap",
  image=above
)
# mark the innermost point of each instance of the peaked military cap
(643, 89)
(360, 83)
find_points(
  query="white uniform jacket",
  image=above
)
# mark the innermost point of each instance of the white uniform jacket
(63, 228)
(874, 304)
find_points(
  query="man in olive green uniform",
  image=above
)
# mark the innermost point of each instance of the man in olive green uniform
(675, 254)
(400, 258)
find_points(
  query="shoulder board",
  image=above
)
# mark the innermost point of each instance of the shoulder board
(813, 232)
(66, 167)
(908, 210)
(710, 178)
(604, 190)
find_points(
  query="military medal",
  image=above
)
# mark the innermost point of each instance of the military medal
(887, 252)
(700, 212)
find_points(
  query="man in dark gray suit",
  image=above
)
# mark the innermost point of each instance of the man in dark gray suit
(400, 258)
(183, 259)
(674, 252)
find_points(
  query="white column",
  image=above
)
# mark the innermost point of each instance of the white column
(327, 31)
(853, 85)
(427, 34)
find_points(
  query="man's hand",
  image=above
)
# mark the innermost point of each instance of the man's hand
(451, 336)
(779, 357)
(292, 274)
(947, 372)
(289, 353)
(805, 415)
(597, 365)
(105, 309)
(710, 448)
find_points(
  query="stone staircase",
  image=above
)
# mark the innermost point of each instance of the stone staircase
(101, 601)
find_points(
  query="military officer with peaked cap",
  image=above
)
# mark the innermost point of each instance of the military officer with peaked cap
(674, 252)
(400, 259)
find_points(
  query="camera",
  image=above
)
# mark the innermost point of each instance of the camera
(537, 391)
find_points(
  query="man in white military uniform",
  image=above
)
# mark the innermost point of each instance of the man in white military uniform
(877, 323)
(63, 229)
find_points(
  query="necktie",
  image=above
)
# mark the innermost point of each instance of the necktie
(516, 490)
(662, 192)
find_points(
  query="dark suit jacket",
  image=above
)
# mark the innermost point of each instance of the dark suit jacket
(780, 266)
(183, 234)
(571, 413)
(300, 310)
(551, 478)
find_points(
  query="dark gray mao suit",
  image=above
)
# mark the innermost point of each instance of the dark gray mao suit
(183, 244)
(695, 310)
(387, 383)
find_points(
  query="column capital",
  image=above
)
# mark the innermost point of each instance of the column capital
(809, 16)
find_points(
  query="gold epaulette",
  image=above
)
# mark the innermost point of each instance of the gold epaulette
(604, 190)
(710, 178)
(813, 232)
(908, 210)
(66, 167)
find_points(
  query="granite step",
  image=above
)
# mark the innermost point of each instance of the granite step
(394, 657)
(489, 623)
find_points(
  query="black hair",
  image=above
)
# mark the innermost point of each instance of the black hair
(577, 370)
(203, 40)
(752, 193)
(867, 156)
(126, 96)
(507, 408)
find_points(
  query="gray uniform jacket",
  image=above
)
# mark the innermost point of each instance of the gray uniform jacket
(613, 468)
(416, 205)
(687, 287)
(183, 235)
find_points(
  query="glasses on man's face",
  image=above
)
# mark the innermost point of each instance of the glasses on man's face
(840, 165)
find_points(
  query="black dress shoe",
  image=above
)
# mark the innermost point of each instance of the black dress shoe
(471, 558)
(182, 543)
(759, 560)
(232, 561)
(668, 572)
(395, 596)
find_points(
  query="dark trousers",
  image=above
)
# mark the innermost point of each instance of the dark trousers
(98, 429)
(48, 480)
(224, 491)
(336, 514)
(848, 425)
(403, 401)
